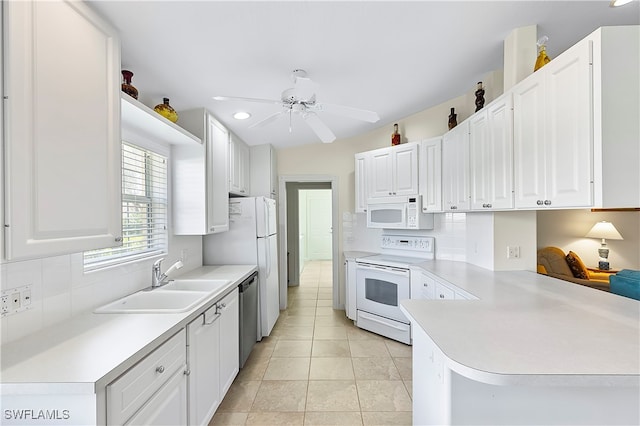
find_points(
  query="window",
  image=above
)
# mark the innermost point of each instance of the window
(144, 210)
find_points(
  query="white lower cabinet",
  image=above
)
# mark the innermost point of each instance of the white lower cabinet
(152, 392)
(213, 352)
(425, 285)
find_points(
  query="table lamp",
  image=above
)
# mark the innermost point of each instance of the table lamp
(604, 230)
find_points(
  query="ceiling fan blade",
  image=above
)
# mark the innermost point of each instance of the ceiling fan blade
(267, 120)
(234, 98)
(324, 133)
(358, 114)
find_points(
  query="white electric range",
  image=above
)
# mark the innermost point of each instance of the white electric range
(383, 280)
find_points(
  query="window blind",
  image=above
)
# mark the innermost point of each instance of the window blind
(144, 209)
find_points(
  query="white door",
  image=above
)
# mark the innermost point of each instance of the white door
(318, 209)
(528, 142)
(381, 173)
(229, 344)
(204, 361)
(501, 137)
(217, 177)
(480, 160)
(62, 134)
(568, 129)
(405, 169)
(268, 283)
(430, 171)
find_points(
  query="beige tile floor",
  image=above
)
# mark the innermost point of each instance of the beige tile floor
(317, 368)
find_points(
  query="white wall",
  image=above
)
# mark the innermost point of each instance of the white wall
(566, 229)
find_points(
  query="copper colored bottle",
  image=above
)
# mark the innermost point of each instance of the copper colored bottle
(126, 85)
(395, 136)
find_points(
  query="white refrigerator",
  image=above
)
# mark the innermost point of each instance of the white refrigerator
(251, 239)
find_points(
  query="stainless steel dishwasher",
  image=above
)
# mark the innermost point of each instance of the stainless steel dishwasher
(248, 316)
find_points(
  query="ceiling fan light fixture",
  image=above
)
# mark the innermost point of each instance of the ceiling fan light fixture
(241, 115)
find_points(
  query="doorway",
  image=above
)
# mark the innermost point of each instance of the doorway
(307, 218)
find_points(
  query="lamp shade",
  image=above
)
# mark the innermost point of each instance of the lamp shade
(604, 230)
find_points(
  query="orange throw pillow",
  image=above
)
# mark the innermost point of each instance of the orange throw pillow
(577, 267)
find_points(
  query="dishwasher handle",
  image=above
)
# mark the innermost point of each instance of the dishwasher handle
(244, 285)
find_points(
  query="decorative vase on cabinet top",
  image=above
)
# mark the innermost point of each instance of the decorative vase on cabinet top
(165, 110)
(127, 87)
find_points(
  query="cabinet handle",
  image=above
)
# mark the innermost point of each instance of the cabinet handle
(441, 296)
(547, 202)
(215, 317)
(453, 207)
(212, 229)
(118, 239)
(539, 202)
(488, 206)
(160, 369)
(391, 193)
(187, 372)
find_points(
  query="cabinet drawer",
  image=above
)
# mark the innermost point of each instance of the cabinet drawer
(444, 292)
(131, 391)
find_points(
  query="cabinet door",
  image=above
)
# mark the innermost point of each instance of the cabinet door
(480, 161)
(245, 168)
(217, 177)
(167, 407)
(430, 173)
(62, 150)
(528, 142)
(568, 134)
(229, 309)
(362, 192)
(455, 154)
(491, 156)
(204, 365)
(405, 169)
(381, 173)
(501, 139)
(234, 175)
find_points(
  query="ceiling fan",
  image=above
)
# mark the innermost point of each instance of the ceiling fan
(301, 99)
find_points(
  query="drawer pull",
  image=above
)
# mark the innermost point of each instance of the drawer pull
(160, 369)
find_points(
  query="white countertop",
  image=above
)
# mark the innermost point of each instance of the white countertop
(528, 327)
(89, 351)
(353, 255)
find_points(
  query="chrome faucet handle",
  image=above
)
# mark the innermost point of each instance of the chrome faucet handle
(156, 273)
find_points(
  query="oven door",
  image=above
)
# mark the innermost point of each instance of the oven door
(379, 290)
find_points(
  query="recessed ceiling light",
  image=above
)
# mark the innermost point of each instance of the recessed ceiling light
(616, 3)
(241, 115)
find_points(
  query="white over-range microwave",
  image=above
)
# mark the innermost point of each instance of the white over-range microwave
(402, 212)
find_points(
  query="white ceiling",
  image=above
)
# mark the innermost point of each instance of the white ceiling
(395, 58)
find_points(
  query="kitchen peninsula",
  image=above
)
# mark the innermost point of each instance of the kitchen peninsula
(531, 350)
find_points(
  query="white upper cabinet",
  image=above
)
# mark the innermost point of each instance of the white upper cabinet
(264, 171)
(239, 166)
(552, 141)
(201, 177)
(430, 172)
(362, 181)
(491, 156)
(61, 131)
(575, 126)
(455, 166)
(394, 171)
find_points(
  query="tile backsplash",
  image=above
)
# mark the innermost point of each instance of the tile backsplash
(60, 289)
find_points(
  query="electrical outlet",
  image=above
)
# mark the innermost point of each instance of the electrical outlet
(184, 255)
(513, 252)
(4, 305)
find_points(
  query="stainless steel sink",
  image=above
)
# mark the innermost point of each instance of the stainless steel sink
(155, 301)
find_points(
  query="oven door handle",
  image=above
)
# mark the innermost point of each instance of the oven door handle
(374, 319)
(389, 269)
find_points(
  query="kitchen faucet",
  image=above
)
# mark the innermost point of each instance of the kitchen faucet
(157, 277)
